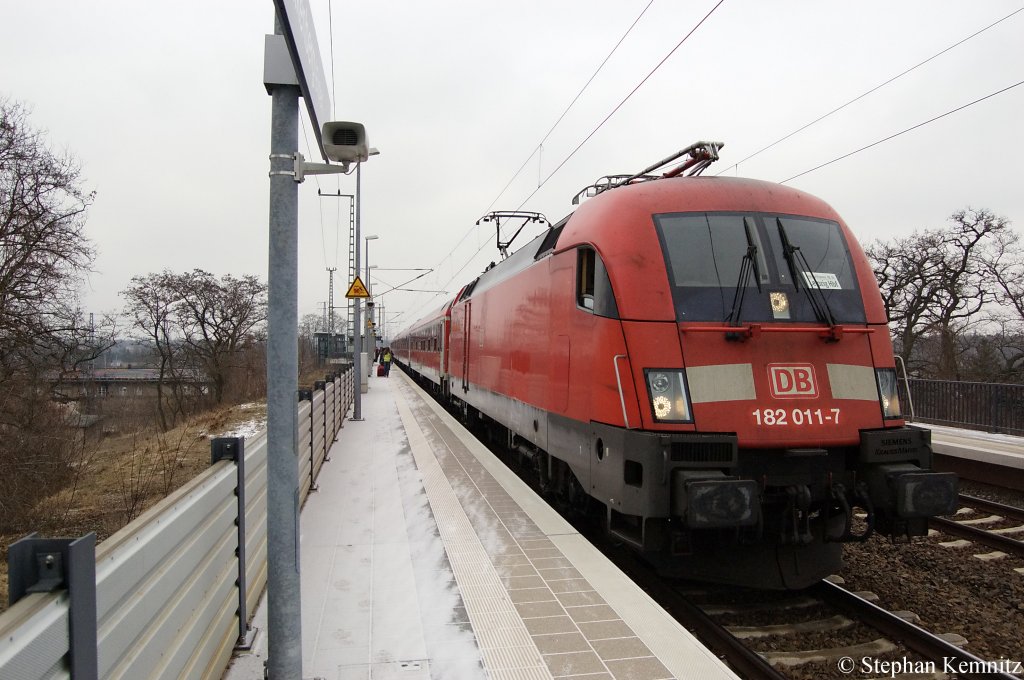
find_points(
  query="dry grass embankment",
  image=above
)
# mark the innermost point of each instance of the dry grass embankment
(119, 477)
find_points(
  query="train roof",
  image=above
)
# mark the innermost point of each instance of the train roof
(611, 219)
(427, 319)
(677, 194)
(624, 207)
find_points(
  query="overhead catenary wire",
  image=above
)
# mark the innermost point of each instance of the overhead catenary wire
(595, 130)
(337, 225)
(625, 99)
(870, 91)
(334, 115)
(902, 132)
(575, 99)
(323, 238)
(540, 144)
(817, 120)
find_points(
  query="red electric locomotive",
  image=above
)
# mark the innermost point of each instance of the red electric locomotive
(706, 357)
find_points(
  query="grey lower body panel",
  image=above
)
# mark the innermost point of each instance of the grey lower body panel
(793, 508)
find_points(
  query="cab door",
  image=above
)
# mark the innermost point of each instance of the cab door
(467, 324)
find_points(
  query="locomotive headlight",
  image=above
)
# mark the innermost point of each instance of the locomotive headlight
(667, 391)
(662, 407)
(888, 392)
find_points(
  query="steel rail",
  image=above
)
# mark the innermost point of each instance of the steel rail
(997, 541)
(914, 637)
(1007, 511)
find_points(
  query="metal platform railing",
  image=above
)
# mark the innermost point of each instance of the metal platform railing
(170, 594)
(991, 407)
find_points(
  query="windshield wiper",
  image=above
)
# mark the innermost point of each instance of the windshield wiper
(799, 268)
(748, 266)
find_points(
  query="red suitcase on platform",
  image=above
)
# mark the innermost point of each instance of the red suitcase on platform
(380, 370)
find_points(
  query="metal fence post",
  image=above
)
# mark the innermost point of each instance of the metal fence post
(42, 565)
(233, 448)
(322, 386)
(344, 392)
(334, 412)
(307, 395)
(328, 435)
(351, 385)
(339, 389)
(993, 408)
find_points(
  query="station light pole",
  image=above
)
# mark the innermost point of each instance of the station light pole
(370, 334)
(371, 338)
(291, 68)
(357, 359)
(284, 621)
(371, 237)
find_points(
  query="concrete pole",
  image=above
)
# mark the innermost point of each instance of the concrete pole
(371, 343)
(284, 610)
(357, 408)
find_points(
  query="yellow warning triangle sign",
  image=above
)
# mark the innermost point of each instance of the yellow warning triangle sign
(357, 290)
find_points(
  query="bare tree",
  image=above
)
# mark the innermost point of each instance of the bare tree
(43, 252)
(995, 356)
(201, 325)
(905, 269)
(309, 326)
(936, 284)
(1008, 272)
(217, 319)
(151, 303)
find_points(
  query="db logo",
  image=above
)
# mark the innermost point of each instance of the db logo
(792, 381)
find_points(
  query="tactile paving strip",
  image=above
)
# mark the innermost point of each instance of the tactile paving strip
(505, 643)
(544, 620)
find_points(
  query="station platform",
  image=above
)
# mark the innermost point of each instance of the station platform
(996, 459)
(997, 449)
(424, 557)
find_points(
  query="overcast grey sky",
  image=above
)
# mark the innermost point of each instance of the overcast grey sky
(164, 105)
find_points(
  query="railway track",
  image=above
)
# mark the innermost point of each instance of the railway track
(974, 528)
(771, 648)
(899, 627)
(735, 624)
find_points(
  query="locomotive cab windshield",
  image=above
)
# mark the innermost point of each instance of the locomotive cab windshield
(801, 265)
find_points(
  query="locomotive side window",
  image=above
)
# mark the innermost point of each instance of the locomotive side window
(585, 278)
(706, 255)
(593, 288)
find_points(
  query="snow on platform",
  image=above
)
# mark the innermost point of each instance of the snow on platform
(424, 557)
(1002, 450)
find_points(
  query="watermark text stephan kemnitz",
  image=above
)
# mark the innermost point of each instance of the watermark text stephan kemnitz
(869, 666)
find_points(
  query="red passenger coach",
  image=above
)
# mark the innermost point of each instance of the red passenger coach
(422, 348)
(709, 360)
